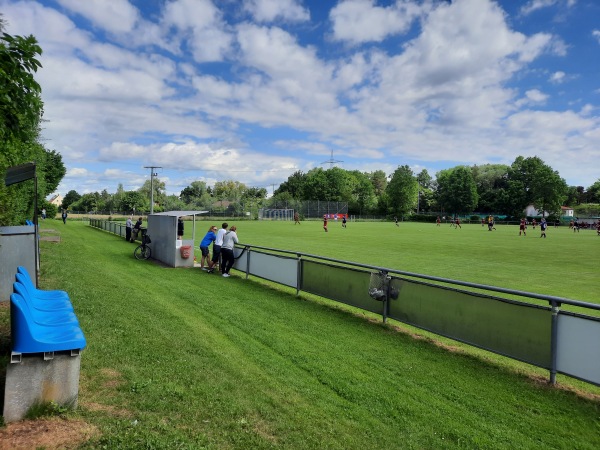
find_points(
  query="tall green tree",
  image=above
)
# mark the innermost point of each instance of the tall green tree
(69, 199)
(402, 191)
(379, 182)
(193, 193)
(21, 104)
(134, 202)
(159, 191)
(457, 192)
(425, 180)
(593, 193)
(21, 110)
(532, 182)
(363, 200)
(491, 182)
(294, 185)
(229, 190)
(316, 186)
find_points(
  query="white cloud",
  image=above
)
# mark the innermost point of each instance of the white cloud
(534, 5)
(210, 40)
(596, 34)
(358, 21)
(536, 96)
(115, 16)
(452, 92)
(271, 10)
(558, 77)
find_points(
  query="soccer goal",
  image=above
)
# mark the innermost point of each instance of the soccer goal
(275, 214)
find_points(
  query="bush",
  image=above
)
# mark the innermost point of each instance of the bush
(51, 210)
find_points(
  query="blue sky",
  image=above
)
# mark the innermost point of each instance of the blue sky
(254, 90)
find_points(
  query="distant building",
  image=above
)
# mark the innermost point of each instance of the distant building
(56, 199)
(530, 211)
(566, 211)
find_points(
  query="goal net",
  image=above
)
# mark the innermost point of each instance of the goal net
(275, 214)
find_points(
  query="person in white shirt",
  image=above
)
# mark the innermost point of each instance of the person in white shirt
(217, 247)
(229, 241)
(128, 227)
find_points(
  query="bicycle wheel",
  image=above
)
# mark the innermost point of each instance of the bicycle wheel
(142, 252)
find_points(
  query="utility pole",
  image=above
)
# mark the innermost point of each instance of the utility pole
(331, 161)
(152, 175)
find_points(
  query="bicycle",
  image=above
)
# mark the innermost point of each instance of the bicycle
(143, 251)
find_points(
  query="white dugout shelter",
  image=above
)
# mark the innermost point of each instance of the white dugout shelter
(162, 229)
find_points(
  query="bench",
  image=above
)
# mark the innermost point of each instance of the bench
(42, 321)
(46, 349)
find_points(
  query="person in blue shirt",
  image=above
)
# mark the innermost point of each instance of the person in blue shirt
(209, 237)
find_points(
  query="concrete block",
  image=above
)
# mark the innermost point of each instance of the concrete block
(36, 380)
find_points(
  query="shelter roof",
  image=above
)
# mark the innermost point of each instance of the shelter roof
(179, 213)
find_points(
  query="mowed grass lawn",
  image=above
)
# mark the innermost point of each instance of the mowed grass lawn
(565, 264)
(178, 358)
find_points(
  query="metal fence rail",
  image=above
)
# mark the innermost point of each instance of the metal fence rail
(535, 331)
(525, 326)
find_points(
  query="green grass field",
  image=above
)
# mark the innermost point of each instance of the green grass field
(563, 264)
(178, 358)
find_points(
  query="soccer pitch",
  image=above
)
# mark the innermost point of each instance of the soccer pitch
(563, 264)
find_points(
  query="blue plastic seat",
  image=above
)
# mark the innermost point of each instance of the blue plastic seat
(28, 336)
(43, 304)
(46, 316)
(60, 307)
(23, 277)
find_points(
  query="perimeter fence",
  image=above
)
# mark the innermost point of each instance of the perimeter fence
(533, 328)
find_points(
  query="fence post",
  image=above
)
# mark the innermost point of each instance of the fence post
(386, 299)
(298, 273)
(247, 262)
(554, 340)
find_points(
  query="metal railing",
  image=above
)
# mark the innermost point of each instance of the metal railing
(525, 326)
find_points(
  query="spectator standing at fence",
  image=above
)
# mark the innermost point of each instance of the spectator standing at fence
(325, 222)
(128, 227)
(180, 228)
(543, 226)
(43, 213)
(136, 229)
(217, 247)
(229, 240)
(296, 218)
(64, 216)
(209, 238)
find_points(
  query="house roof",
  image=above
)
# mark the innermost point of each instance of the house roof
(564, 208)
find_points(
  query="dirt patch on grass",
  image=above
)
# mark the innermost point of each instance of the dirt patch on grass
(50, 238)
(52, 433)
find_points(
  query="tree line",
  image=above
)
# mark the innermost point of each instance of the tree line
(486, 189)
(490, 189)
(21, 111)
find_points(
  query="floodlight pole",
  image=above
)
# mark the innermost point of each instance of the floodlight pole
(152, 175)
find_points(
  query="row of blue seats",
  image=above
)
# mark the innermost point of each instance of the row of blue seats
(28, 222)
(42, 321)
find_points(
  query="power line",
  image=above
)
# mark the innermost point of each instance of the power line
(331, 161)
